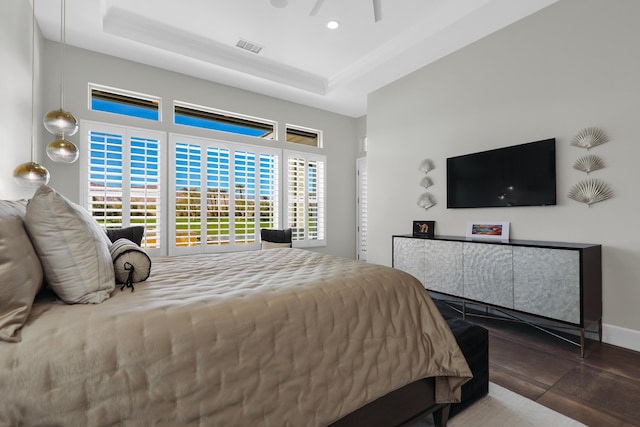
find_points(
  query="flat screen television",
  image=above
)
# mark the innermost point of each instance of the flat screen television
(519, 175)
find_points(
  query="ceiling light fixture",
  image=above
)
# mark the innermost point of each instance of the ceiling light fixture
(59, 122)
(31, 174)
(332, 25)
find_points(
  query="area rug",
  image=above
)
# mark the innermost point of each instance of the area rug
(505, 408)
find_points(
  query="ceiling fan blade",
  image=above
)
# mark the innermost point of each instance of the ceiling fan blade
(377, 10)
(316, 7)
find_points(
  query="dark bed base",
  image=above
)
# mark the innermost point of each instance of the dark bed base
(400, 408)
(416, 400)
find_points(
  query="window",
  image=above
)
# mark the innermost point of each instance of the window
(123, 102)
(304, 136)
(123, 167)
(223, 121)
(199, 195)
(305, 193)
(222, 194)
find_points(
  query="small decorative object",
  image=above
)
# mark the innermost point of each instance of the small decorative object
(426, 182)
(424, 229)
(426, 201)
(589, 163)
(590, 191)
(489, 230)
(426, 166)
(589, 138)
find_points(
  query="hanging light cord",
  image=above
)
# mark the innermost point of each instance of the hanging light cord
(63, 25)
(33, 84)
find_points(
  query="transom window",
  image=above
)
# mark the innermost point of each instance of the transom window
(304, 136)
(123, 102)
(223, 121)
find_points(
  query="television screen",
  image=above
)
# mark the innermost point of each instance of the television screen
(520, 175)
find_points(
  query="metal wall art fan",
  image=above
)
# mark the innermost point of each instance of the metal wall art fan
(377, 8)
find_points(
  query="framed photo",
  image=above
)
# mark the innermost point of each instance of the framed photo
(424, 229)
(489, 230)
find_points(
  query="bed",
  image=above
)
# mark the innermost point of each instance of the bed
(262, 338)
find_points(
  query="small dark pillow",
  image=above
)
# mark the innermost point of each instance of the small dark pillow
(131, 264)
(133, 233)
(275, 236)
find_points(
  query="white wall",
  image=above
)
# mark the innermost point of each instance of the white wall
(572, 65)
(15, 87)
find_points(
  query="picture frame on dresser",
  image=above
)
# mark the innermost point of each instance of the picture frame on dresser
(488, 230)
(424, 229)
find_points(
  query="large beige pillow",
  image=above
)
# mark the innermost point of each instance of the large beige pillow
(73, 249)
(20, 271)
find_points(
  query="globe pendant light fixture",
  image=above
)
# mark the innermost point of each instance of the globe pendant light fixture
(59, 122)
(31, 174)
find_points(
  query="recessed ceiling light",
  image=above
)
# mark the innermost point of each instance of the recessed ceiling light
(332, 25)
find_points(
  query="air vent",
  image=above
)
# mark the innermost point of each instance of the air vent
(249, 46)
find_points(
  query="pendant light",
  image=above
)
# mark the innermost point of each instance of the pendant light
(59, 122)
(31, 174)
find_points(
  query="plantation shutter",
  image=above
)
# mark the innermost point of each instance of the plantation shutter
(361, 171)
(124, 184)
(224, 193)
(305, 192)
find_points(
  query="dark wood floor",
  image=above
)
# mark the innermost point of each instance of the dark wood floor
(603, 389)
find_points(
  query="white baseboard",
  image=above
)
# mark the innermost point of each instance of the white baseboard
(621, 337)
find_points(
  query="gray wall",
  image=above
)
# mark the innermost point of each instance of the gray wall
(572, 65)
(15, 88)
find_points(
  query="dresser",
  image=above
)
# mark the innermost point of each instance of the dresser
(554, 281)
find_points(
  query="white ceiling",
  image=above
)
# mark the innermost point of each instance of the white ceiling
(301, 60)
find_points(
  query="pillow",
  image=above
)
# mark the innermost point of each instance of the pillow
(130, 263)
(276, 235)
(134, 234)
(272, 245)
(20, 271)
(73, 249)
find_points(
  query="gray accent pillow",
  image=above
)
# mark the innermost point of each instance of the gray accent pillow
(73, 249)
(20, 271)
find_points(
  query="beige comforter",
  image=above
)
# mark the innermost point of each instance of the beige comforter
(274, 338)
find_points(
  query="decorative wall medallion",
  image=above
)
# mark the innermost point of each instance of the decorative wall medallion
(426, 182)
(590, 191)
(589, 138)
(426, 201)
(426, 165)
(589, 163)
